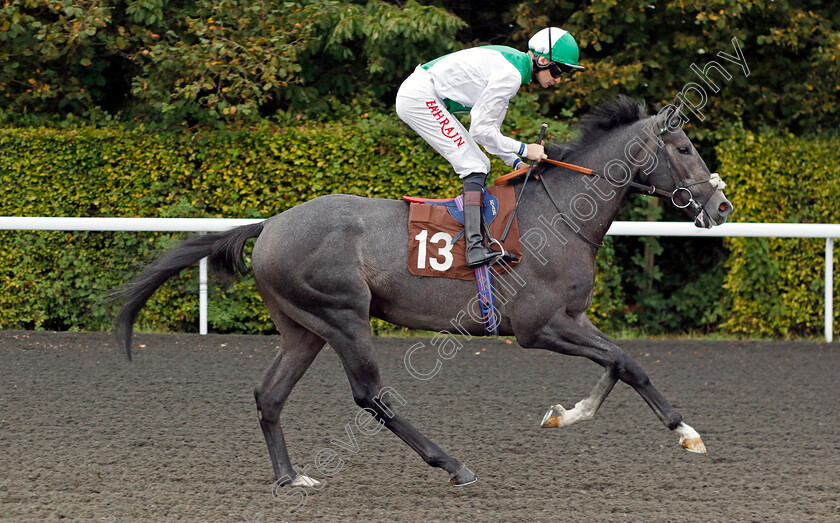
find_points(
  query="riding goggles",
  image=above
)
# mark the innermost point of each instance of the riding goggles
(557, 69)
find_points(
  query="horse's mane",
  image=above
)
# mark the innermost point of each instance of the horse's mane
(601, 119)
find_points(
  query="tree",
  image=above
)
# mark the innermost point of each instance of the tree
(210, 60)
(647, 49)
(51, 56)
(233, 61)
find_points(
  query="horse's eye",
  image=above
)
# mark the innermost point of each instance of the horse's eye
(682, 149)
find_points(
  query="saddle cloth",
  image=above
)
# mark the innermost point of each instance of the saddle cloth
(433, 226)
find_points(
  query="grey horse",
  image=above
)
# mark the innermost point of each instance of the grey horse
(325, 267)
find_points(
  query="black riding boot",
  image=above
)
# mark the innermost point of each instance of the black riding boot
(477, 253)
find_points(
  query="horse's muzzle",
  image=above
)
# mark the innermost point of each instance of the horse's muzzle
(714, 212)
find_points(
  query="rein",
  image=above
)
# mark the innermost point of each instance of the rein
(640, 187)
(647, 189)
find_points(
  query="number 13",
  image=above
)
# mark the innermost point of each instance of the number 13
(444, 250)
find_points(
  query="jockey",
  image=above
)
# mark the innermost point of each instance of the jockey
(481, 81)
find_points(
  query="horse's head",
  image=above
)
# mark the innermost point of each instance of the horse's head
(679, 168)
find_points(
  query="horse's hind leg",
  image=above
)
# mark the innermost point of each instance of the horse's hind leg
(298, 348)
(353, 345)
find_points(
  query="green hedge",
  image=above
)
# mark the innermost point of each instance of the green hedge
(60, 280)
(776, 284)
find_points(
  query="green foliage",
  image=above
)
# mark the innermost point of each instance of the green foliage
(50, 55)
(223, 61)
(668, 285)
(777, 284)
(608, 311)
(58, 280)
(208, 62)
(64, 277)
(645, 49)
(236, 62)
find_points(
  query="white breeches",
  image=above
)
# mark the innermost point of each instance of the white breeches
(422, 109)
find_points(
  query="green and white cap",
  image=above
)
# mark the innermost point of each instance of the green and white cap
(557, 45)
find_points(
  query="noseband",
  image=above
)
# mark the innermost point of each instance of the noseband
(678, 186)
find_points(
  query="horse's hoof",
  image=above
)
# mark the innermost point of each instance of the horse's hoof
(693, 445)
(690, 439)
(304, 481)
(463, 476)
(554, 417)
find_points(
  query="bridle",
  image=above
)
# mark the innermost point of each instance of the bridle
(641, 188)
(678, 185)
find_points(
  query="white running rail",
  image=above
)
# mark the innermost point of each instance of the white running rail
(767, 230)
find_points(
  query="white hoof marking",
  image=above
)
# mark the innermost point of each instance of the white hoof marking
(553, 417)
(304, 481)
(557, 416)
(689, 439)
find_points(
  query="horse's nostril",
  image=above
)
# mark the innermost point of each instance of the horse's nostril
(725, 207)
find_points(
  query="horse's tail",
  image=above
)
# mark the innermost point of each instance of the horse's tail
(225, 251)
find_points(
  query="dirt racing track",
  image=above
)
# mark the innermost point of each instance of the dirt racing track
(174, 435)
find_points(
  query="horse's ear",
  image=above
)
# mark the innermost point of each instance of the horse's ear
(669, 118)
(678, 105)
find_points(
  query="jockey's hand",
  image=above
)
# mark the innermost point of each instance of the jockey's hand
(535, 151)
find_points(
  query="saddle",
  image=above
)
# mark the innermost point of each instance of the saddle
(436, 245)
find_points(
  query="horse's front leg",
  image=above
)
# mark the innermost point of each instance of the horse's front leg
(580, 338)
